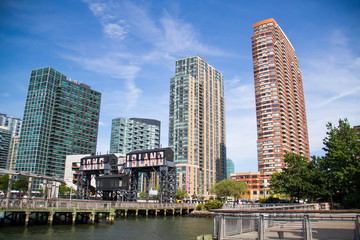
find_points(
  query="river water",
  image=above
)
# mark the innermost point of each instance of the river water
(156, 228)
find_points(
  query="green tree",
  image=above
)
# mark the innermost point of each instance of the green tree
(300, 179)
(142, 195)
(341, 163)
(4, 181)
(21, 184)
(64, 190)
(181, 194)
(227, 188)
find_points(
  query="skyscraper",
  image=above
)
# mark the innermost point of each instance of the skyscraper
(12, 123)
(279, 94)
(197, 125)
(5, 138)
(134, 134)
(60, 118)
(14, 126)
(230, 168)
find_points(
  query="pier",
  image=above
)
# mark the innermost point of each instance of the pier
(64, 211)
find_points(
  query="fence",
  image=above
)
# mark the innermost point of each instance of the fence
(287, 224)
(22, 203)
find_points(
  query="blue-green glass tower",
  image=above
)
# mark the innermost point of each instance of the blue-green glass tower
(60, 118)
(134, 134)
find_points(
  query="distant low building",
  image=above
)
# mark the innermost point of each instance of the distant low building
(72, 165)
(255, 182)
(357, 129)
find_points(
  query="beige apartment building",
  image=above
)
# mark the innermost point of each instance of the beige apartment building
(197, 125)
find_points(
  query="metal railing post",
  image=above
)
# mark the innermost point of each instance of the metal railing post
(8, 194)
(307, 228)
(221, 227)
(357, 228)
(261, 227)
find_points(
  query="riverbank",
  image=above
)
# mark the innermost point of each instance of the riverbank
(201, 214)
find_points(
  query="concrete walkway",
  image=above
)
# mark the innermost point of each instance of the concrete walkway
(321, 230)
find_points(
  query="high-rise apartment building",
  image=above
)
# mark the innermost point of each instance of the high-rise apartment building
(60, 118)
(197, 125)
(13, 125)
(279, 94)
(5, 139)
(134, 134)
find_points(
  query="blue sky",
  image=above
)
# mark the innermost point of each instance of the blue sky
(127, 51)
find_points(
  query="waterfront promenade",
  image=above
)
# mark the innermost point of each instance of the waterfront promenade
(305, 221)
(64, 211)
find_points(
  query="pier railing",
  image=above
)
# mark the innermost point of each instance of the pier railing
(284, 224)
(23, 203)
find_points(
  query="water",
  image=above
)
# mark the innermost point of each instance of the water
(178, 228)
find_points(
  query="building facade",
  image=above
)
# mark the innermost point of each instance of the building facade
(60, 118)
(230, 168)
(257, 186)
(5, 139)
(197, 125)
(279, 95)
(14, 126)
(12, 123)
(134, 134)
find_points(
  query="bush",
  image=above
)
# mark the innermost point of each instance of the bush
(269, 200)
(200, 206)
(213, 205)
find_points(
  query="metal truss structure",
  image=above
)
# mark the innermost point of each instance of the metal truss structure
(114, 183)
(167, 182)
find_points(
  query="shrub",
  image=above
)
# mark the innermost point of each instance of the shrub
(213, 205)
(200, 206)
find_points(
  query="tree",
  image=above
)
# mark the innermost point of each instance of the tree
(21, 184)
(181, 194)
(64, 190)
(300, 179)
(194, 196)
(227, 188)
(142, 195)
(341, 163)
(4, 181)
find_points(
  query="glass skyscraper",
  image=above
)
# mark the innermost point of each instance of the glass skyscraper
(230, 168)
(134, 134)
(279, 94)
(60, 118)
(197, 125)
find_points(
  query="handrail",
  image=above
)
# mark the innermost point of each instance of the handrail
(34, 203)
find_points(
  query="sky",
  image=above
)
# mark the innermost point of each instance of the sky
(127, 51)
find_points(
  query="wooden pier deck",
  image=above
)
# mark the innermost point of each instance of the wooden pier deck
(64, 211)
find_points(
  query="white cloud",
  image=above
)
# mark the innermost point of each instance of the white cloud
(114, 30)
(331, 86)
(132, 94)
(338, 97)
(112, 65)
(238, 95)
